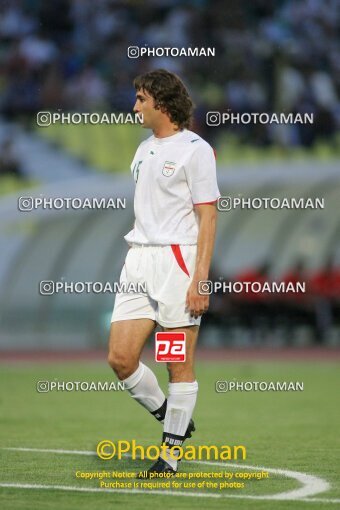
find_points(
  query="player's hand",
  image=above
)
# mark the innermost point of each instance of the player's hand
(196, 303)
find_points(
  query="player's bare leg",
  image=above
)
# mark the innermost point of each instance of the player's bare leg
(126, 342)
(184, 372)
(127, 339)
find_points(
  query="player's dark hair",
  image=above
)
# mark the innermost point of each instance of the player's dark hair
(170, 95)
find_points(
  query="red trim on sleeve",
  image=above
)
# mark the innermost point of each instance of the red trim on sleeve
(207, 203)
(214, 152)
(176, 249)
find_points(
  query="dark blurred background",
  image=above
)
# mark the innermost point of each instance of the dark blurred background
(270, 56)
(71, 56)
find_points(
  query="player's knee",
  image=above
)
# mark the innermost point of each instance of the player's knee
(122, 364)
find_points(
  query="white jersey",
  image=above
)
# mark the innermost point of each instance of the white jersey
(172, 175)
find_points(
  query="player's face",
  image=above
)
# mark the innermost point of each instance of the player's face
(145, 105)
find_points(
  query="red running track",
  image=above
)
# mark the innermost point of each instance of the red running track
(203, 354)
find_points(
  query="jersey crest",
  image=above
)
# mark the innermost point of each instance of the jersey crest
(169, 168)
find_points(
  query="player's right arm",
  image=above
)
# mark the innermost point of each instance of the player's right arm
(202, 182)
(196, 303)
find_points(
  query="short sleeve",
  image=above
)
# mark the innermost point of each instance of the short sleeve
(201, 175)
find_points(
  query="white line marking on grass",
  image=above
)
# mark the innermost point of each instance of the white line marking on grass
(311, 485)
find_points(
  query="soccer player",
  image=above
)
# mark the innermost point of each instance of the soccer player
(171, 246)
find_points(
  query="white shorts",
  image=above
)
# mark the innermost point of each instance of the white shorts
(166, 272)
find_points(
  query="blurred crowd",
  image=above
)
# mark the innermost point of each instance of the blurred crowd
(282, 314)
(277, 56)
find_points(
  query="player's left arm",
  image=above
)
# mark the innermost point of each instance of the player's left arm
(196, 303)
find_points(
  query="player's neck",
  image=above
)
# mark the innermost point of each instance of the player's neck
(165, 130)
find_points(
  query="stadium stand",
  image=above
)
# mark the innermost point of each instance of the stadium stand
(270, 56)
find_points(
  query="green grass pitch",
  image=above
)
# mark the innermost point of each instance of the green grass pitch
(296, 431)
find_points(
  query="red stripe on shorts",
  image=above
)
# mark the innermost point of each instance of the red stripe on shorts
(176, 249)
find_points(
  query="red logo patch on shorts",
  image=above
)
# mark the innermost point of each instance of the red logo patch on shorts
(170, 346)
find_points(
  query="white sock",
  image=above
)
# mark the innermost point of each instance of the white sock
(143, 387)
(180, 406)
